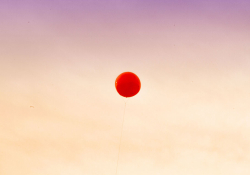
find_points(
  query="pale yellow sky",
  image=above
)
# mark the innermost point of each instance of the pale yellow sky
(183, 121)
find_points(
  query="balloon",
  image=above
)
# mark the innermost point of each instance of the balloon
(127, 84)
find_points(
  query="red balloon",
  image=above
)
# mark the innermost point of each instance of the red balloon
(127, 84)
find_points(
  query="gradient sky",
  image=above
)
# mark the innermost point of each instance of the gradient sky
(191, 117)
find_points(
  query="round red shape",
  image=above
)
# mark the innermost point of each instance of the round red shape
(127, 84)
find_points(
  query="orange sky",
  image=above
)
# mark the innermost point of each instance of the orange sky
(190, 117)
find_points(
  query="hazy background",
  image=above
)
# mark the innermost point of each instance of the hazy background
(191, 117)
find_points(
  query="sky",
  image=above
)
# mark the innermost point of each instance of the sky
(60, 113)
